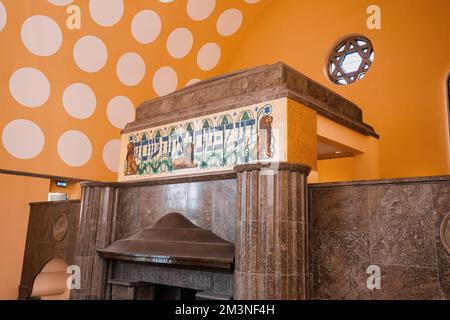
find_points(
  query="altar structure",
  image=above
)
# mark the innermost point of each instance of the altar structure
(250, 139)
(213, 202)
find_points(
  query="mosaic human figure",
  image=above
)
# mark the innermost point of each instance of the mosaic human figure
(264, 139)
(131, 165)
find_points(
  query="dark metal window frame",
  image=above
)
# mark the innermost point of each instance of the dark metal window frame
(350, 45)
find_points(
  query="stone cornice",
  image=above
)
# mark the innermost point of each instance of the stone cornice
(247, 87)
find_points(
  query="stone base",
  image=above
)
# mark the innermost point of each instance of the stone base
(271, 232)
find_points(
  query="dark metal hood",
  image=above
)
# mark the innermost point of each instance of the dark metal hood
(174, 240)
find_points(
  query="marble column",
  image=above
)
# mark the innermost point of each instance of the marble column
(271, 232)
(97, 229)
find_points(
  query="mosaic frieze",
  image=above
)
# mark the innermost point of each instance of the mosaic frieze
(213, 142)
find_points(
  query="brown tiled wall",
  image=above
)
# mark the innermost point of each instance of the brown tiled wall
(393, 224)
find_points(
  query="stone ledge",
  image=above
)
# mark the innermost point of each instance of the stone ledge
(54, 202)
(223, 175)
(273, 166)
(430, 179)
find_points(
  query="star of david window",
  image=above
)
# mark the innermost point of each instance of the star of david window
(350, 60)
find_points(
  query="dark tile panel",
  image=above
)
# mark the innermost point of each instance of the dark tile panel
(339, 262)
(441, 197)
(257, 286)
(153, 204)
(129, 205)
(340, 209)
(100, 221)
(210, 205)
(85, 264)
(441, 210)
(408, 283)
(443, 257)
(224, 209)
(402, 226)
(176, 277)
(271, 247)
(405, 221)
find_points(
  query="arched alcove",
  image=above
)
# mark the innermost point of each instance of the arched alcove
(51, 282)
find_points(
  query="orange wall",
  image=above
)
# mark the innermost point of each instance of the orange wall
(403, 95)
(16, 192)
(62, 71)
(340, 169)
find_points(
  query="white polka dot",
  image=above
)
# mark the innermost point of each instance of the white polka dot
(23, 139)
(120, 111)
(130, 69)
(3, 16)
(146, 26)
(90, 54)
(179, 43)
(30, 87)
(41, 35)
(165, 81)
(74, 148)
(106, 12)
(200, 9)
(229, 22)
(191, 82)
(79, 100)
(166, 1)
(208, 56)
(252, 1)
(111, 153)
(60, 3)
